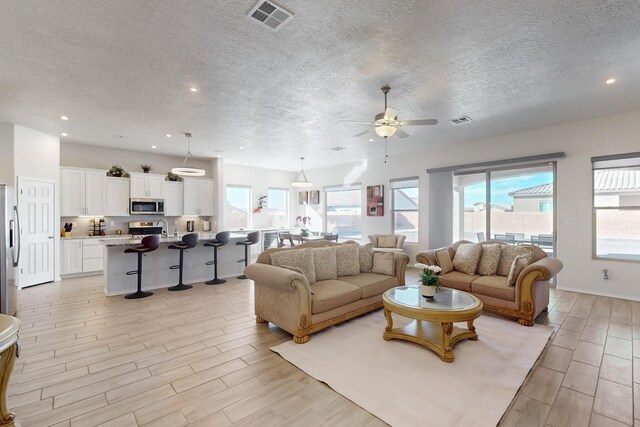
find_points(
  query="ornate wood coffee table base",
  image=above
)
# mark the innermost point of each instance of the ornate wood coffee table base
(433, 322)
(439, 337)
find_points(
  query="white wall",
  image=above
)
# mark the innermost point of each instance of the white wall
(87, 156)
(580, 140)
(259, 180)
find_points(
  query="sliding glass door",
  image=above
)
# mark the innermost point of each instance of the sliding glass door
(514, 205)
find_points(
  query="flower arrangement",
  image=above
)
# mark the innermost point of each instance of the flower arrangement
(305, 220)
(117, 171)
(173, 177)
(429, 276)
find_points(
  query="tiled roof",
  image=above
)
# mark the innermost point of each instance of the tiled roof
(605, 181)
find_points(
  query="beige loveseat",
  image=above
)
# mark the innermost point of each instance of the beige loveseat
(387, 242)
(285, 298)
(523, 300)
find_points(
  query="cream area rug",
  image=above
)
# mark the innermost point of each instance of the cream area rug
(405, 384)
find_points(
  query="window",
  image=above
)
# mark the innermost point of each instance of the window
(278, 207)
(404, 199)
(238, 207)
(344, 210)
(616, 207)
(514, 205)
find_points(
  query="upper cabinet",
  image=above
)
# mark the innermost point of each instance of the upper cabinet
(117, 196)
(198, 196)
(83, 192)
(146, 186)
(173, 198)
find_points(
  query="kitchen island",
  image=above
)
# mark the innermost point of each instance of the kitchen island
(156, 272)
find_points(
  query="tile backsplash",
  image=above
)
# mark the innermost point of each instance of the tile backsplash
(82, 225)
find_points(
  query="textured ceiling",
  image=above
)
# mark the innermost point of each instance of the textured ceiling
(119, 67)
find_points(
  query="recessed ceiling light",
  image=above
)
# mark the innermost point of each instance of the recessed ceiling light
(245, 164)
(219, 155)
(168, 135)
(370, 139)
(610, 81)
(242, 148)
(64, 134)
(193, 89)
(64, 118)
(153, 146)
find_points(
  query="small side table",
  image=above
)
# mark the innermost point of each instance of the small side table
(9, 350)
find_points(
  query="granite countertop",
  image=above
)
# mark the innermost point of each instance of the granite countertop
(170, 239)
(107, 236)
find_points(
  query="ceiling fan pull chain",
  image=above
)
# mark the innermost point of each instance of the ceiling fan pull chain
(386, 149)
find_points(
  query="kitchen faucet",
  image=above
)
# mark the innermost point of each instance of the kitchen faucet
(164, 233)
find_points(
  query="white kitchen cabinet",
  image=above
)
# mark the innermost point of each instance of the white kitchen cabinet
(198, 197)
(173, 198)
(83, 192)
(146, 186)
(117, 203)
(92, 255)
(71, 256)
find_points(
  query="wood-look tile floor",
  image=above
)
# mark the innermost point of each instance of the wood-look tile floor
(198, 358)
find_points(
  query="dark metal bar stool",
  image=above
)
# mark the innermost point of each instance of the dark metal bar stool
(148, 244)
(252, 239)
(221, 239)
(188, 241)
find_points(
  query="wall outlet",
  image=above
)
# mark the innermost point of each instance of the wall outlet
(605, 274)
(112, 223)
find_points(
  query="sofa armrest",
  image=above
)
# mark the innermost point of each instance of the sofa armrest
(373, 239)
(532, 293)
(402, 260)
(547, 266)
(426, 257)
(278, 277)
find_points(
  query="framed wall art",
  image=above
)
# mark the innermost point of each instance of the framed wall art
(303, 197)
(375, 200)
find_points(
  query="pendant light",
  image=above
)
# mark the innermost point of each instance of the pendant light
(301, 180)
(184, 170)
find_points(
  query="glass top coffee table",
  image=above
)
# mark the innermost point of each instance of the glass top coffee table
(433, 321)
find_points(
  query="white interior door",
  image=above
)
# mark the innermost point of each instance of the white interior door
(36, 201)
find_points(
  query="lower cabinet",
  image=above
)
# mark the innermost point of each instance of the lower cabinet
(71, 256)
(82, 256)
(92, 256)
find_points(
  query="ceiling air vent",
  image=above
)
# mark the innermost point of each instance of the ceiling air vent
(460, 120)
(337, 148)
(270, 14)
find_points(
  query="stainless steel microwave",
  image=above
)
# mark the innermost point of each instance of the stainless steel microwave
(146, 206)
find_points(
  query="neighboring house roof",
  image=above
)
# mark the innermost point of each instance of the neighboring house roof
(605, 181)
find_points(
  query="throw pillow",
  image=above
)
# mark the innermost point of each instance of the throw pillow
(489, 260)
(467, 257)
(296, 269)
(324, 260)
(519, 263)
(348, 260)
(384, 263)
(507, 254)
(386, 241)
(366, 258)
(299, 258)
(443, 258)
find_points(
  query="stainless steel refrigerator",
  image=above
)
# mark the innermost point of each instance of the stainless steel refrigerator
(9, 250)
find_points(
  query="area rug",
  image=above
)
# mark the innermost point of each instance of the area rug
(405, 384)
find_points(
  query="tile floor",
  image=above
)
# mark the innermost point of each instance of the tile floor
(197, 358)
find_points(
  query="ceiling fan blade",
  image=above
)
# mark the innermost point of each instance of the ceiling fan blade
(418, 122)
(356, 122)
(362, 133)
(390, 114)
(400, 133)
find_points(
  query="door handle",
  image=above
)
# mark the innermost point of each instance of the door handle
(51, 237)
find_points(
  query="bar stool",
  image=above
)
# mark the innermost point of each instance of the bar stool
(188, 241)
(221, 239)
(252, 239)
(148, 244)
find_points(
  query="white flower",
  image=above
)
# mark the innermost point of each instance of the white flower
(420, 265)
(434, 268)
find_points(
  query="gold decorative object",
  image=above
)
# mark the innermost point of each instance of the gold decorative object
(9, 350)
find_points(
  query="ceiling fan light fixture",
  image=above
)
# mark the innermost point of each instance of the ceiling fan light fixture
(385, 131)
(184, 170)
(301, 180)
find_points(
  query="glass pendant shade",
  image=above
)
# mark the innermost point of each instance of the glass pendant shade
(385, 131)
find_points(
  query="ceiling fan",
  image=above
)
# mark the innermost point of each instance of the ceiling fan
(387, 124)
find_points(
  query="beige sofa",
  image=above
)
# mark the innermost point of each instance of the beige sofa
(522, 301)
(285, 298)
(396, 242)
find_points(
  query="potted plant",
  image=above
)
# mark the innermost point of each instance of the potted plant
(116, 170)
(146, 168)
(173, 177)
(429, 279)
(306, 222)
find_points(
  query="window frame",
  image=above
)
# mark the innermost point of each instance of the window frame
(286, 204)
(392, 188)
(338, 188)
(620, 160)
(249, 209)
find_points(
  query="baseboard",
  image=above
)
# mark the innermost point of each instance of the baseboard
(600, 294)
